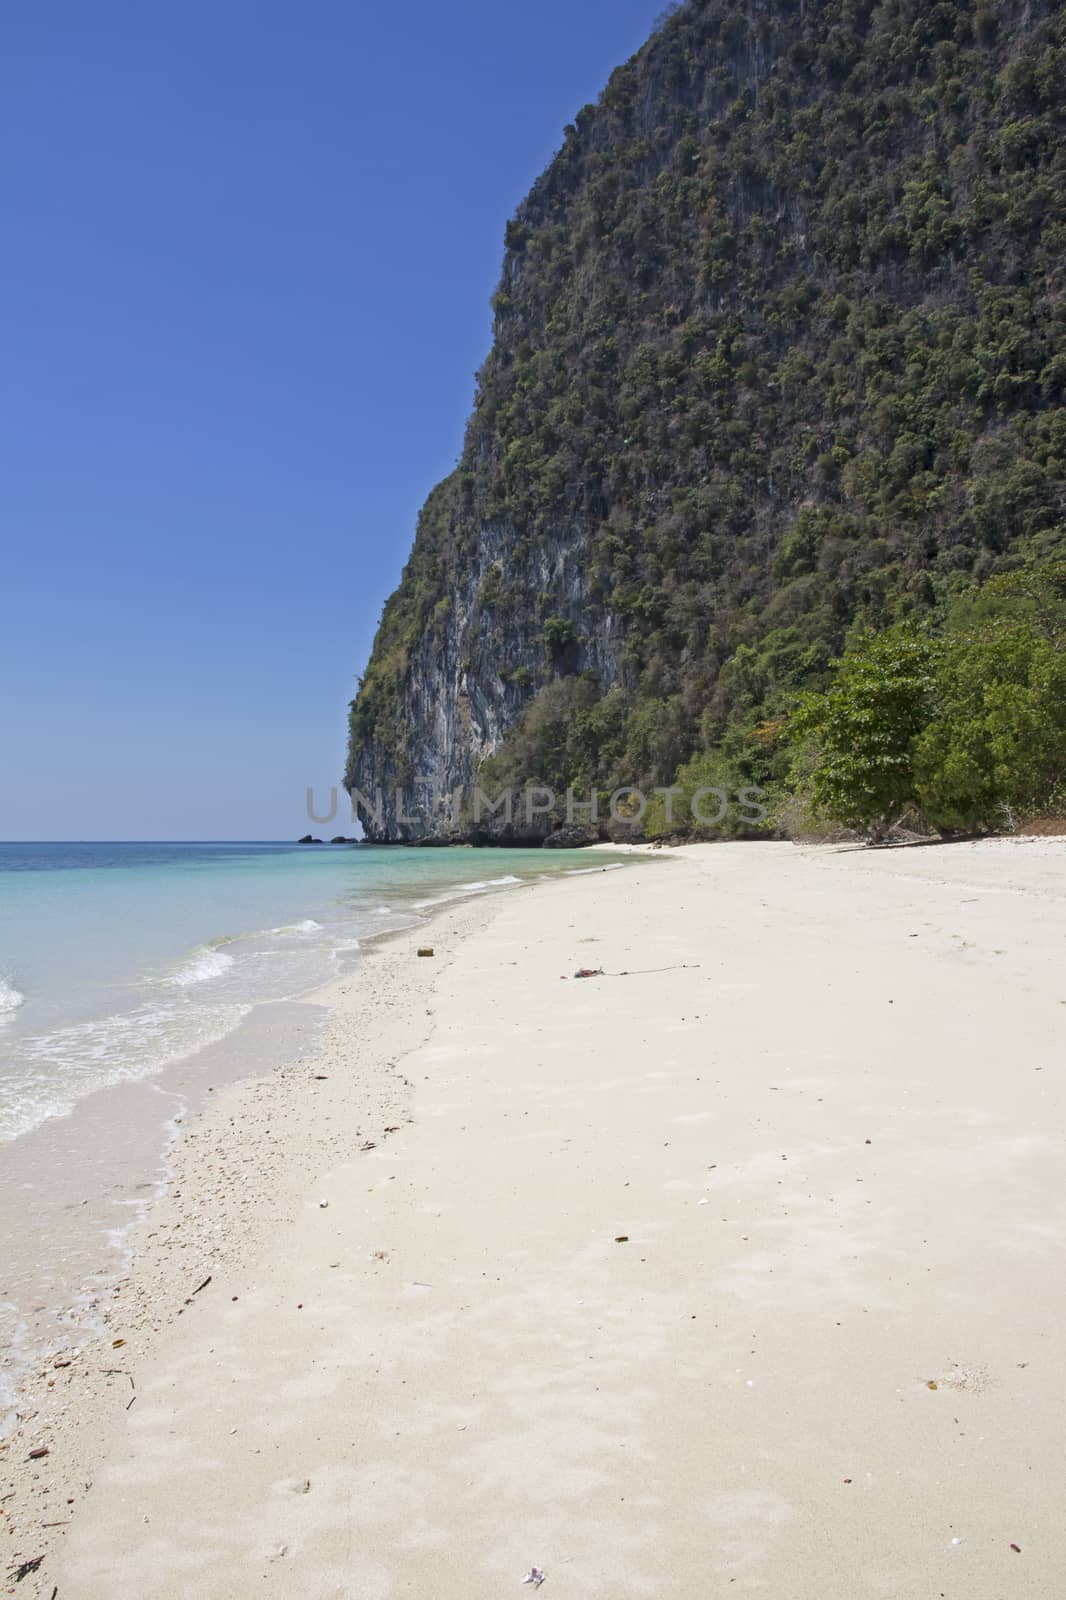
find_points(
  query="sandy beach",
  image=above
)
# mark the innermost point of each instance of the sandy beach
(737, 1270)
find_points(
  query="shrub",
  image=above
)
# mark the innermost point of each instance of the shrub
(968, 728)
(997, 745)
(866, 723)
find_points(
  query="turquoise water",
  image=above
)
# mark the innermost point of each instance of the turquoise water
(117, 960)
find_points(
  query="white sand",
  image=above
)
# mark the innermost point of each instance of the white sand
(834, 1149)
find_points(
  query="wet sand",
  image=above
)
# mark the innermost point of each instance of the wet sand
(73, 1191)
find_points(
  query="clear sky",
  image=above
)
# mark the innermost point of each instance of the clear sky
(248, 250)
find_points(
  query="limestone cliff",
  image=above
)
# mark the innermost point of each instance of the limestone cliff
(779, 345)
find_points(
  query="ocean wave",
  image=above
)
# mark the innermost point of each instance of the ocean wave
(344, 948)
(307, 925)
(10, 998)
(608, 866)
(206, 962)
(478, 886)
(57, 1069)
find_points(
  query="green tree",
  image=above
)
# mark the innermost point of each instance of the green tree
(560, 637)
(997, 745)
(865, 725)
(711, 797)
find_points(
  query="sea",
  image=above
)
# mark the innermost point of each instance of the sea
(133, 974)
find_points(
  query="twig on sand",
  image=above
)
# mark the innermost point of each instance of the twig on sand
(634, 972)
(639, 972)
(23, 1571)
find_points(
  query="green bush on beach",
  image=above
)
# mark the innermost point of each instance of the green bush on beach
(866, 724)
(965, 727)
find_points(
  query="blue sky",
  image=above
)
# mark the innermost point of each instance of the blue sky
(248, 253)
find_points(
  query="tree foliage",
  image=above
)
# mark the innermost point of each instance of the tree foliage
(996, 748)
(968, 728)
(866, 723)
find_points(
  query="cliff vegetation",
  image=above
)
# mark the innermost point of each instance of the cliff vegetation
(779, 361)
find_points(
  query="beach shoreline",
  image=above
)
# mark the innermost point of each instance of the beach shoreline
(634, 1279)
(75, 1184)
(76, 1395)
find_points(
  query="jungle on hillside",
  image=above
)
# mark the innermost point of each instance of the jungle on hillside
(780, 342)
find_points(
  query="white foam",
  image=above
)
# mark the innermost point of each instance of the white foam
(608, 866)
(479, 886)
(10, 998)
(307, 925)
(62, 1067)
(205, 963)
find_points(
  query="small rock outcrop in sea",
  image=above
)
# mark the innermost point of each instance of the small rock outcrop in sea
(570, 837)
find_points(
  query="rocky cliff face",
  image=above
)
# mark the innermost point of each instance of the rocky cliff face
(465, 681)
(778, 346)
